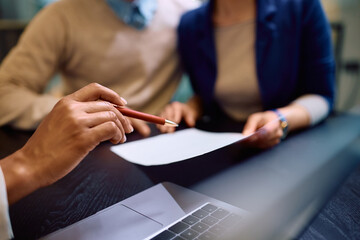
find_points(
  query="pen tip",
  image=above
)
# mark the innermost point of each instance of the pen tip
(171, 123)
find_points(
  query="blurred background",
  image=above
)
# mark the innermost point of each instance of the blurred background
(344, 16)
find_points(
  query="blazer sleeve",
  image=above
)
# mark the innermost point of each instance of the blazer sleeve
(317, 65)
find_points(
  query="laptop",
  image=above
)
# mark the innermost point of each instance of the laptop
(164, 211)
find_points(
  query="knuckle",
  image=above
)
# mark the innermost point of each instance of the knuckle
(176, 104)
(122, 118)
(75, 122)
(95, 85)
(110, 130)
(67, 105)
(112, 126)
(106, 105)
(168, 107)
(112, 116)
(63, 102)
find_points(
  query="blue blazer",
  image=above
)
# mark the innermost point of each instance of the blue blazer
(293, 50)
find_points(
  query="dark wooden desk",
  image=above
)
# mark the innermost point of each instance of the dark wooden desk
(103, 178)
(340, 218)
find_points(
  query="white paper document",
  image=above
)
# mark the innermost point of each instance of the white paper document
(174, 147)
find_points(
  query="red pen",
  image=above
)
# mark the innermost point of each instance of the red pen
(144, 116)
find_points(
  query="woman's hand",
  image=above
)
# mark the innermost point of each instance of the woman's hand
(266, 128)
(267, 125)
(178, 111)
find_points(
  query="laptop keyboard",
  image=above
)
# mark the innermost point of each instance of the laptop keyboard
(206, 223)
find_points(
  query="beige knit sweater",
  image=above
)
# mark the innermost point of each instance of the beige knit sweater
(85, 42)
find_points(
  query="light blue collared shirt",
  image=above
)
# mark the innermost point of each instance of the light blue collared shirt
(137, 14)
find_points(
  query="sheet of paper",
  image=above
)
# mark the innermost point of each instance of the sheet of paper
(174, 147)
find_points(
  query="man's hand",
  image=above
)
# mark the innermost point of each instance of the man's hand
(75, 126)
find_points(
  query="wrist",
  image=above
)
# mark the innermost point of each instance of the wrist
(296, 116)
(19, 178)
(284, 124)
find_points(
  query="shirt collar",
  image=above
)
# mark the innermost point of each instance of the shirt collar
(137, 14)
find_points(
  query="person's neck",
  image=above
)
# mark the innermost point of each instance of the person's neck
(228, 12)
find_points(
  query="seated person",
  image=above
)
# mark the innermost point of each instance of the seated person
(126, 45)
(259, 62)
(75, 126)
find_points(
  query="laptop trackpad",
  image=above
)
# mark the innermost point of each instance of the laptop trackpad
(116, 222)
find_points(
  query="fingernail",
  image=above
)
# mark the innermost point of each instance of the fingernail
(123, 99)
(124, 138)
(131, 128)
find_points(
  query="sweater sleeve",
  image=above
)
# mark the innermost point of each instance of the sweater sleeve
(26, 71)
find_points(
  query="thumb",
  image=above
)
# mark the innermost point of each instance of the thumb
(250, 126)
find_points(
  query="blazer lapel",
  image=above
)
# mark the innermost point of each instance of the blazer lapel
(205, 32)
(266, 32)
(266, 28)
